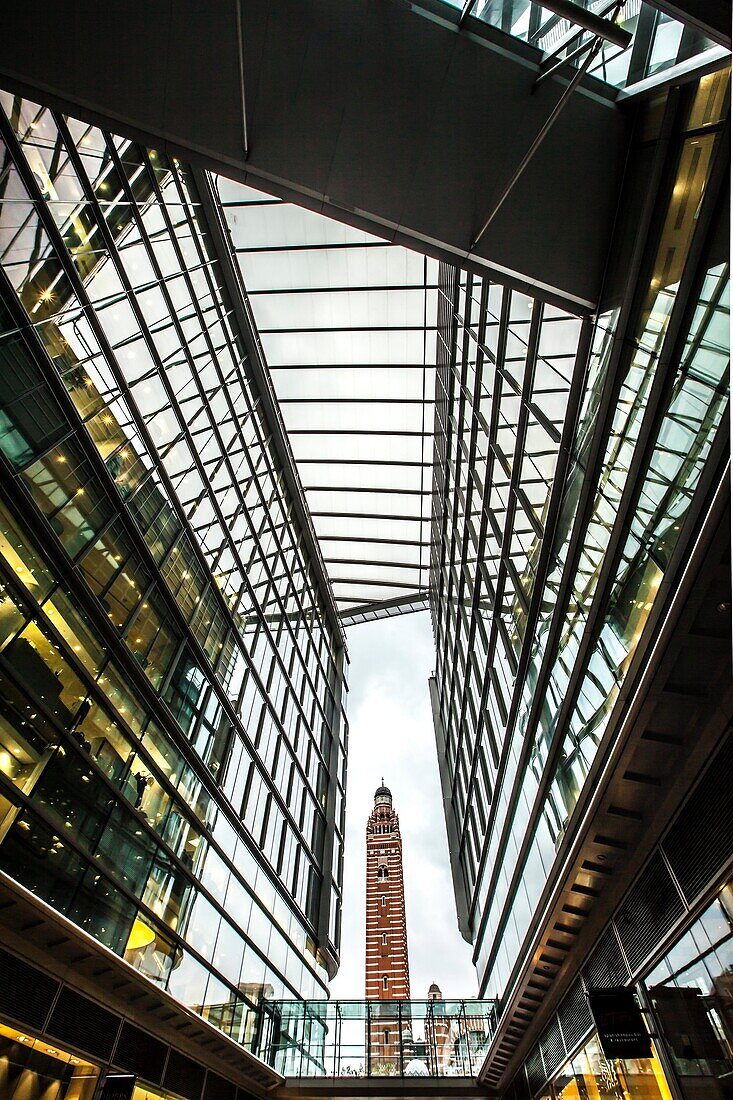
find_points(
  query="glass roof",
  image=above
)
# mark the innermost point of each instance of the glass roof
(347, 323)
(658, 42)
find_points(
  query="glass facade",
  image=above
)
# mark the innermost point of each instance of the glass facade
(691, 993)
(566, 480)
(590, 1075)
(172, 740)
(686, 1002)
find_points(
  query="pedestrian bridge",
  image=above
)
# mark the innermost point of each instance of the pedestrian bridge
(376, 1039)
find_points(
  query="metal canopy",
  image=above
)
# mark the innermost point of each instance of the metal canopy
(347, 324)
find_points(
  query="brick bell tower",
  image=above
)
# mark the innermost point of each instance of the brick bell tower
(387, 967)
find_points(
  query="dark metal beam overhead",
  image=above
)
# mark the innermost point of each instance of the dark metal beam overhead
(376, 112)
(711, 17)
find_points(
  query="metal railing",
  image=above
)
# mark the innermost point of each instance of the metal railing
(390, 1038)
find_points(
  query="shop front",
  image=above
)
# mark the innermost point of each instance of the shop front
(35, 1069)
(687, 1006)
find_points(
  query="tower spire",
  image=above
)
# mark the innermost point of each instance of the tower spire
(387, 976)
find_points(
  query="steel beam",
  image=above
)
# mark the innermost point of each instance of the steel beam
(380, 113)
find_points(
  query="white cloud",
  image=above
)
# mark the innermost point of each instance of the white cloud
(391, 735)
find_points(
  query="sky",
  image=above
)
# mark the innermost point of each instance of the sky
(391, 735)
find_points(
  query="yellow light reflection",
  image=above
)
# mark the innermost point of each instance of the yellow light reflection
(140, 936)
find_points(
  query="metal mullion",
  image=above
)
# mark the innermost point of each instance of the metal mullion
(325, 401)
(371, 541)
(300, 330)
(365, 462)
(357, 581)
(643, 449)
(348, 288)
(345, 366)
(363, 489)
(360, 432)
(235, 418)
(241, 250)
(528, 510)
(543, 419)
(366, 515)
(373, 562)
(642, 45)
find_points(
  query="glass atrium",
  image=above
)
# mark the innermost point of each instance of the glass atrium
(232, 429)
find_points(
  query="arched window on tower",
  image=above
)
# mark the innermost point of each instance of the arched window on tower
(382, 873)
(385, 1035)
(383, 900)
(384, 939)
(385, 981)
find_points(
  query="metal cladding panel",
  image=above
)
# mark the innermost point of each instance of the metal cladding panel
(184, 1076)
(26, 994)
(349, 103)
(606, 966)
(536, 1075)
(141, 1053)
(218, 1088)
(553, 1050)
(84, 1024)
(520, 1086)
(700, 843)
(575, 1016)
(651, 909)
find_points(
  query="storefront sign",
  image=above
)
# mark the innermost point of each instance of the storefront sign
(620, 1025)
(118, 1086)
